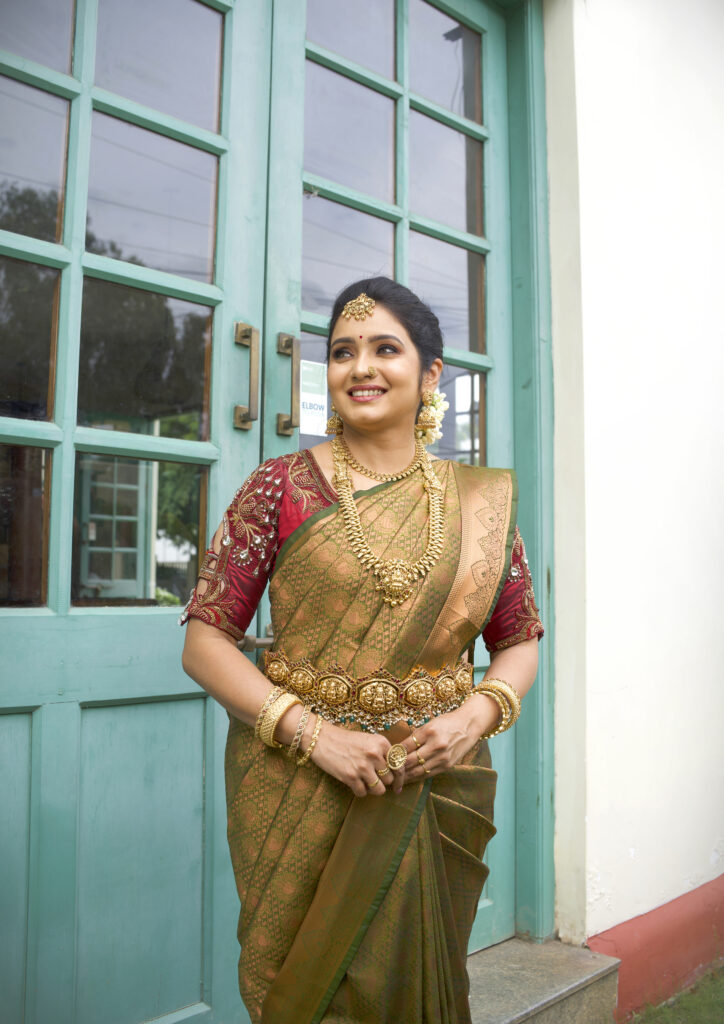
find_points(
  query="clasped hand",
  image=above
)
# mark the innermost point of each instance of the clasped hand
(358, 758)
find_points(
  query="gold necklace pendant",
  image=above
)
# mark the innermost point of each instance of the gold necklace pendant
(395, 577)
(395, 580)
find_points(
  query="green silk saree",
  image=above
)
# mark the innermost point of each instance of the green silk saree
(358, 911)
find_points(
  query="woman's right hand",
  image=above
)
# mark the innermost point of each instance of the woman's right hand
(354, 758)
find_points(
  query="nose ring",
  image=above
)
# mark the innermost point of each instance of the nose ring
(371, 371)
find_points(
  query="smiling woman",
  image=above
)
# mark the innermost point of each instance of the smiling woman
(383, 564)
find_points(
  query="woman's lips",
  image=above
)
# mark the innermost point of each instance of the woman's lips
(366, 394)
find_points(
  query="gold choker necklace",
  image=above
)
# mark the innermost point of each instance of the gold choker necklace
(417, 460)
(395, 576)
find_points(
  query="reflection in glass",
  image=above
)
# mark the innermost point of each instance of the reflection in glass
(145, 362)
(445, 61)
(28, 326)
(339, 245)
(24, 504)
(136, 529)
(32, 160)
(364, 33)
(335, 106)
(165, 54)
(451, 280)
(40, 30)
(151, 200)
(314, 399)
(463, 428)
(446, 174)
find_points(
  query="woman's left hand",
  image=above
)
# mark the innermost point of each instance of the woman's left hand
(442, 742)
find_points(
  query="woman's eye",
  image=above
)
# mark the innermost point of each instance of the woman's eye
(340, 353)
(387, 348)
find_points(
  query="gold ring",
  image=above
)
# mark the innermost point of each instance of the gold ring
(383, 771)
(396, 757)
(417, 742)
(375, 783)
(427, 771)
(421, 761)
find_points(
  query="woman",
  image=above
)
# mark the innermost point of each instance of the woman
(358, 858)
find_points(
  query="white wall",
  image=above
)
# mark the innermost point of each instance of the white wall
(635, 100)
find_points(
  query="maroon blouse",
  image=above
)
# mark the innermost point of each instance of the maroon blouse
(271, 503)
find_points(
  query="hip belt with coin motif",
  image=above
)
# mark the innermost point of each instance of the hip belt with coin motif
(375, 701)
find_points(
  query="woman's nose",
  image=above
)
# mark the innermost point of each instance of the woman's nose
(361, 366)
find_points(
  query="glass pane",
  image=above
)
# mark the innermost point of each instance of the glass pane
(463, 425)
(451, 280)
(24, 505)
(136, 539)
(28, 326)
(38, 29)
(32, 160)
(145, 361)
(314, 399)
(165, 54)
(445, 61)
(339, 245)
(364, 33)
(446, 174)
(151, 200)
(334, 106)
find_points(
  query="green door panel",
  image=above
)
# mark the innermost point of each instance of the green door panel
(118, 900)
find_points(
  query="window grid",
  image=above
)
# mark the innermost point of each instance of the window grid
(399, 212)
(62, 435)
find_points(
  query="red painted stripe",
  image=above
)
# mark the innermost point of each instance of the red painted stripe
(667, 949)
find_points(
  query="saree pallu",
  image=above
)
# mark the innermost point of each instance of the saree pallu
(358, 911)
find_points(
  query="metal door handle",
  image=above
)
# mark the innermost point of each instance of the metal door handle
(255, 643)
(288, 345)
(244, 415)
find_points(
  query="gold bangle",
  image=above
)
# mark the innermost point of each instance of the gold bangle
(508, 692)
(301, 761)
(303, 719)
(270, 698)
(278, 709)
(504, 721)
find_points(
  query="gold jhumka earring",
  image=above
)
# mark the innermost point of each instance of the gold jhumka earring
(335, 424)
(427, 420)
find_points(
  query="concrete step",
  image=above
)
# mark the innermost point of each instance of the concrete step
(547, 982)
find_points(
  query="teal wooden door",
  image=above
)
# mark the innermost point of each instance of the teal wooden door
(133, 176)
(389, 155)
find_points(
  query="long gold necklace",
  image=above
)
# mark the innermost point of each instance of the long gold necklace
(395, 577)
(417, 460)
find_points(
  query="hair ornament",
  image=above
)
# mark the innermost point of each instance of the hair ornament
(359, 308)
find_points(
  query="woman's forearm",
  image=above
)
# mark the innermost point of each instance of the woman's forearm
(516, 665)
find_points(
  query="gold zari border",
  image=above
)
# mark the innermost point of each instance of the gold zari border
(375, 701)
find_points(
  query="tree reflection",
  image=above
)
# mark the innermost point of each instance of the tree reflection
(144, 358)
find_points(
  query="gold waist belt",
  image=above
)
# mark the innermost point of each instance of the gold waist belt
(375, 701)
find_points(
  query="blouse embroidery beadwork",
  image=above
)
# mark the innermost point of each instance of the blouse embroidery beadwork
(516, 617)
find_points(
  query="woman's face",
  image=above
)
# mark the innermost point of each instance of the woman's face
(389, 397)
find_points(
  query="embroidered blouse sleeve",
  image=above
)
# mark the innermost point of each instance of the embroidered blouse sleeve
(238, 564)
(515, 617)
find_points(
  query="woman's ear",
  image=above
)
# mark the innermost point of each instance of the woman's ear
(431, 377)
